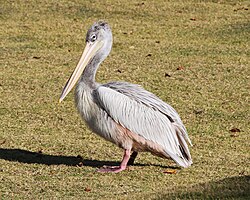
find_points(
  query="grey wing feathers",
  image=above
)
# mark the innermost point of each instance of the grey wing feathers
(141, 95)
(143, 113)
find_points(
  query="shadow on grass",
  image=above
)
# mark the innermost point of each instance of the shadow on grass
(30, 157)
(237, 187)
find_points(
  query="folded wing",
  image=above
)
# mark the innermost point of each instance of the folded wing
(144, 114)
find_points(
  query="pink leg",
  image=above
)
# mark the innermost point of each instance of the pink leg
(120, 168)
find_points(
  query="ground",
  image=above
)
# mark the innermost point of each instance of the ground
(195, 55)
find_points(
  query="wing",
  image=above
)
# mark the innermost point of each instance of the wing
(140, 95)
(144, 114)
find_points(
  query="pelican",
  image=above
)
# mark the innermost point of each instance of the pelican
(124, 113)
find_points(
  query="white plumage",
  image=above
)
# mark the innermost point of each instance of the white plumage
(125, 113)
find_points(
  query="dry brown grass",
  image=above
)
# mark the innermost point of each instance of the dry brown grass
(41, 42)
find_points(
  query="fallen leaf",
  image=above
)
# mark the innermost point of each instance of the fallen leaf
(180, 68)
(167, 75)
(128, 33)
(170, 171)
(141, 4)
(234, 130)
(87, 189)
(197, 112)
(241, 8)
(36, 57)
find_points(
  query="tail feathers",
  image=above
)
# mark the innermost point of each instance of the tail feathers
(184, 147)
(182, 157)
(180, 160)
(183, 132)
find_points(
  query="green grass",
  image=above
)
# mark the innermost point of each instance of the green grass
(41, 42)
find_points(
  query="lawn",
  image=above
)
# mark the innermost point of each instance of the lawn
(195, 55)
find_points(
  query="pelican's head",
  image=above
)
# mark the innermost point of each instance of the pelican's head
(100, 32)
(98, 46)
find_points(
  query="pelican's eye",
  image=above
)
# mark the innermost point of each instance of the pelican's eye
(93, 38)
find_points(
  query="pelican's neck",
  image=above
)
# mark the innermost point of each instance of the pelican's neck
(86, 84)
(88, 75)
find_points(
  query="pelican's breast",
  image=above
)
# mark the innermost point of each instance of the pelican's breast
(85, 103)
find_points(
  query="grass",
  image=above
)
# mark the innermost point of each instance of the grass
(41, 42)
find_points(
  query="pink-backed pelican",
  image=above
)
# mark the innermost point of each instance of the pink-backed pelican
(124, 113)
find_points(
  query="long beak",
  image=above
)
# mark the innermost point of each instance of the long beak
(88, 53)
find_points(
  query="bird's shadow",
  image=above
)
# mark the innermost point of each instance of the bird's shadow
(30, 157)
